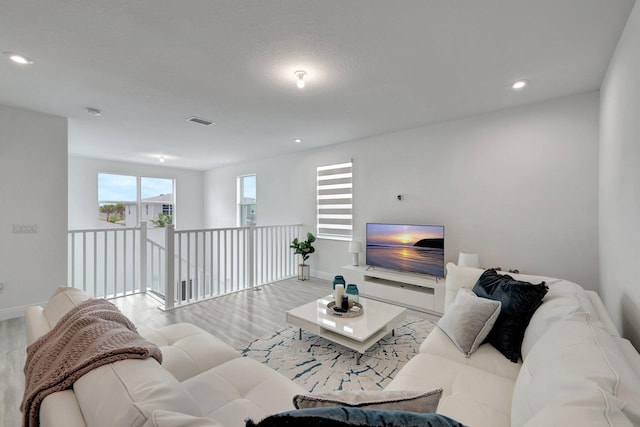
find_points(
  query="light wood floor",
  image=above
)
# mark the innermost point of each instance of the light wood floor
(237, 319)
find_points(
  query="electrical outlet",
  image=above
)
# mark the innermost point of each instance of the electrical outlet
(22, 228)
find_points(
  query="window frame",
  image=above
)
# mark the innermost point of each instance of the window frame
(241, 204)
(138, 202)
(332, 188)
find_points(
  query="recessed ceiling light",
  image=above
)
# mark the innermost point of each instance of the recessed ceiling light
(19, 59)
(297, 140)
(94, 112)
(519, 84)
(300, 74)
(162, 158)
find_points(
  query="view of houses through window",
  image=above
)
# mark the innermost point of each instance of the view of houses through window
(125, 201)
(246, 200)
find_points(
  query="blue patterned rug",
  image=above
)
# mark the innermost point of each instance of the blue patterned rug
(320, 365)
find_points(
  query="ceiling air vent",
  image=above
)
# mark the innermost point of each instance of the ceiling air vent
(200, 121)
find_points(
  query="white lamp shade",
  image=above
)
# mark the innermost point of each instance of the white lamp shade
(468, 259)
(355, 247)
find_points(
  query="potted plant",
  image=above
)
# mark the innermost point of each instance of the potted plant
(304, 248)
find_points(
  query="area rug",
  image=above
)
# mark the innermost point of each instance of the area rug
(320, 365)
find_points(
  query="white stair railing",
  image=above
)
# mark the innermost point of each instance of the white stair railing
(213, 262)
(189, 266)
(107, 262)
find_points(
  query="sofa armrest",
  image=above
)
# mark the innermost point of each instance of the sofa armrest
(36, 323)
(61, 409)
(602, 313)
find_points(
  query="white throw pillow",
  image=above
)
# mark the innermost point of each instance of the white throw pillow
(469, 320)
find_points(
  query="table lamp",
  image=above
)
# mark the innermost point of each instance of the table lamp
(355, 248)
(468, 259)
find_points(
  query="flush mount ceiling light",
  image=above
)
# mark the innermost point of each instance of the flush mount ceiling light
(19, 59)
(519, 84)
(297, 140)
(300, 74)
(94, 112)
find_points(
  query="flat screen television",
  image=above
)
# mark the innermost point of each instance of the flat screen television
(404, 247)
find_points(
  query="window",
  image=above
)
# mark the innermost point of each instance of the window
(120, 200)
(116, 195)
(157, 195)
(247, 200)
(335, 201)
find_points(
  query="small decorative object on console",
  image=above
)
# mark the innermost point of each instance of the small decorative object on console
(353, 294)
(338, 293)
(336, 310)
(338, 280)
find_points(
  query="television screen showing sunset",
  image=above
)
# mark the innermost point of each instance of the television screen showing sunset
(413, 248)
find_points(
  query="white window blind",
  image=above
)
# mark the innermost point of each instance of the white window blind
(335, 201)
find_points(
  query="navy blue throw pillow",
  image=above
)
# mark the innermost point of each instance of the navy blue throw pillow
(519, 301)
(339, 416)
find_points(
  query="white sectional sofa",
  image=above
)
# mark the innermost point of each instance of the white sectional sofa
(201, 380)
(576, 369)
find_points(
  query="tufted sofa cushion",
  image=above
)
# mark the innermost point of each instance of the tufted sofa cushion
(188, 350)
(125, 393)
(476, 390)
(242, 388)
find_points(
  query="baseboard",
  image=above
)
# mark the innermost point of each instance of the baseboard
(323, 275)
(13, 312)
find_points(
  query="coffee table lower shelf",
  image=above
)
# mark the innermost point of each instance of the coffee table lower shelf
(338, 339)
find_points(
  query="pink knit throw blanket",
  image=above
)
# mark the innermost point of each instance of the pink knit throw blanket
(92, 334)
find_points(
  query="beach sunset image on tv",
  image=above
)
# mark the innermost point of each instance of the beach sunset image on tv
(413, 248)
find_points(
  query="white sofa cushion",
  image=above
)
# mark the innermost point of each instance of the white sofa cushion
(126, 392)
(241, 388)
(578, 364)
(63, 300)
(469, 320)
(470, 395)
(458, 278)
(61, 409)
(562, 299)
(486, 358)
(162, 418)
(188, 350)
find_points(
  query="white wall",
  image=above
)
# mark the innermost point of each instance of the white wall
(33, 189)
(83, 190)
(620, 183)
(518, 186)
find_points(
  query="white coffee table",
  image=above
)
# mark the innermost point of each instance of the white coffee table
(357, 333)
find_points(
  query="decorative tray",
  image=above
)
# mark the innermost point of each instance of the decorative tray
(354, 311)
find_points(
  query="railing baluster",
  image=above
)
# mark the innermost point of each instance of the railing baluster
(216, 262)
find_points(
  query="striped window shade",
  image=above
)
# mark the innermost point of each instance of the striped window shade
(335, 201)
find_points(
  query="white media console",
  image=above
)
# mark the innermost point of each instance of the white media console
(412, 290)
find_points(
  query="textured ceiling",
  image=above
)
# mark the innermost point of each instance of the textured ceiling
(374, 66)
